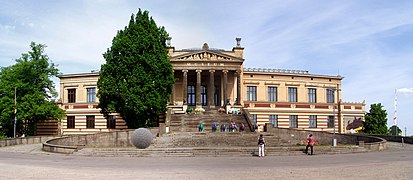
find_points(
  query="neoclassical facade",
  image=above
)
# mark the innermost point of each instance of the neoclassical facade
(210, 78)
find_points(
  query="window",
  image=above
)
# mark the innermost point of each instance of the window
(292, 94)
(330, 95)
(312, 95)
(293, 121)
(204, 95)
(71, 95)
(330, 122)
(111, 122)
(70, 122)
(251, 93)
(312, 121)
(191, 95)
(274, 120)
(272, 93)
(254, 118)
(90, 122)
(91, 94)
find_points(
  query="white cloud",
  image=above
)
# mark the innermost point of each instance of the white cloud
(405, 90)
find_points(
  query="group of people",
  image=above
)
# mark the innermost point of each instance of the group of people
(231, 128)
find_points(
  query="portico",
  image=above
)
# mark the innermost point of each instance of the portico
(206, 77)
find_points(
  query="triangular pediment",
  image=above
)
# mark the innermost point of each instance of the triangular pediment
(205, 55)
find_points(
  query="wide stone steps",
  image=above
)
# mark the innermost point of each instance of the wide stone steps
(212, 151)
(190, 122)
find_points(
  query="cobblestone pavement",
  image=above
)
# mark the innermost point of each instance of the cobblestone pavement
(29, 162)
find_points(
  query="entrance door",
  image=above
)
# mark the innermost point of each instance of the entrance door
(204, 95)
(191, 95)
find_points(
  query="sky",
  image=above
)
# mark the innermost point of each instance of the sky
(369, 42)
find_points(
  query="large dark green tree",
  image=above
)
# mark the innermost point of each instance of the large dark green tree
(137, 77)
(31, 76)
(376, 120)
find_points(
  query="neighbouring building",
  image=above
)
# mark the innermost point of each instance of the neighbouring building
(212, 78)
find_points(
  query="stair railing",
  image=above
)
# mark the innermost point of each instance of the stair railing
(248, 119)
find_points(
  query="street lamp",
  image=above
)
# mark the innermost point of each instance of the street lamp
(15, 114)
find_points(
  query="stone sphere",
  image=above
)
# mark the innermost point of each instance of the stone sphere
(141, 138)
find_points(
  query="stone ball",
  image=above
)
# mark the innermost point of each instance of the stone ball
(141, 138)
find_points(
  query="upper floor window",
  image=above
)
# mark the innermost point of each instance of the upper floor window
(91, 94)
(312, 123)
(330, 95)
(251, 93)
(292, 94)
(312, 95)
(272, 93)
(70, 122)
(273, 120)
(71, 95)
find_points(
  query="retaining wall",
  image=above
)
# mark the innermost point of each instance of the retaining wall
(71, 144)
(408, 140)
(25, 140)
(325, 138)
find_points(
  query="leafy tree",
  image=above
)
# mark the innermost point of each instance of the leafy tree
(137, 77)
(395, 131)
(31, 76)
(376, 120)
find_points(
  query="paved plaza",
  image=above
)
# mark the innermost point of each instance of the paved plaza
(29, 162)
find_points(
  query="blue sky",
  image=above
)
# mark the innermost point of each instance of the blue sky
(368, 42)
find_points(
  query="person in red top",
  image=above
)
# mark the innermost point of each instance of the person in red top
(310, 143)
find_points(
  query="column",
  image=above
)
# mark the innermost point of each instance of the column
(171, 96)
(238, 74)
(198, 89)
(225, 86)
(185, 87)
(211, 90)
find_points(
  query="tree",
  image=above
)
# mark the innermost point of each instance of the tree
(31, 76)
(137, 77)
(395, 131)
(376, 120)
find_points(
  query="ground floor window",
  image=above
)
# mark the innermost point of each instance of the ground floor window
(204, 95)
(330, 122)
(90, 122)
(111, 122)
(273, 120)
(70, 122)
(312, 122)
(293, 121)
(191, 95)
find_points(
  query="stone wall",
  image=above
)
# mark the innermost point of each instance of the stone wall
(24, 140)
(325, 138)
(70, 144)
(408, 140)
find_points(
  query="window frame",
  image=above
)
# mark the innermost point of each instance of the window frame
(312, 118)
(273, 119)
(251, 93)
(70, 122)
(331, 121)
(71, 95)
(330, 93)
(90, 122)
(272, 93)
(293, 121)
(91, 95)
(312, 95)
(292, 94)
(111, 122)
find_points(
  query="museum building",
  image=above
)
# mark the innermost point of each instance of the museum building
(208, 78)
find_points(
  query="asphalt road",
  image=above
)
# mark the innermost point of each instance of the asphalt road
(28, 162)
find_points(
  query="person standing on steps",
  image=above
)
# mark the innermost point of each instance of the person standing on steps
(201, 127)
(261, 143)
(310, 143)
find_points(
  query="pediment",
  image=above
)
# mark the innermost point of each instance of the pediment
(205, 55)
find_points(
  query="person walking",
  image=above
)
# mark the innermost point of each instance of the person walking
(261, 143)
(310, 143)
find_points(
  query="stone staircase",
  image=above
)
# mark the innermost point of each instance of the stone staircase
(190, 122)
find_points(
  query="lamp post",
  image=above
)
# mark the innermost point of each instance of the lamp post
(15, 113)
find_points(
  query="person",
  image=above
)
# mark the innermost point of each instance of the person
(310, 143)
(214, 127)
(201, 127)
(261, 143)
(223, 127)
(241, 127)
